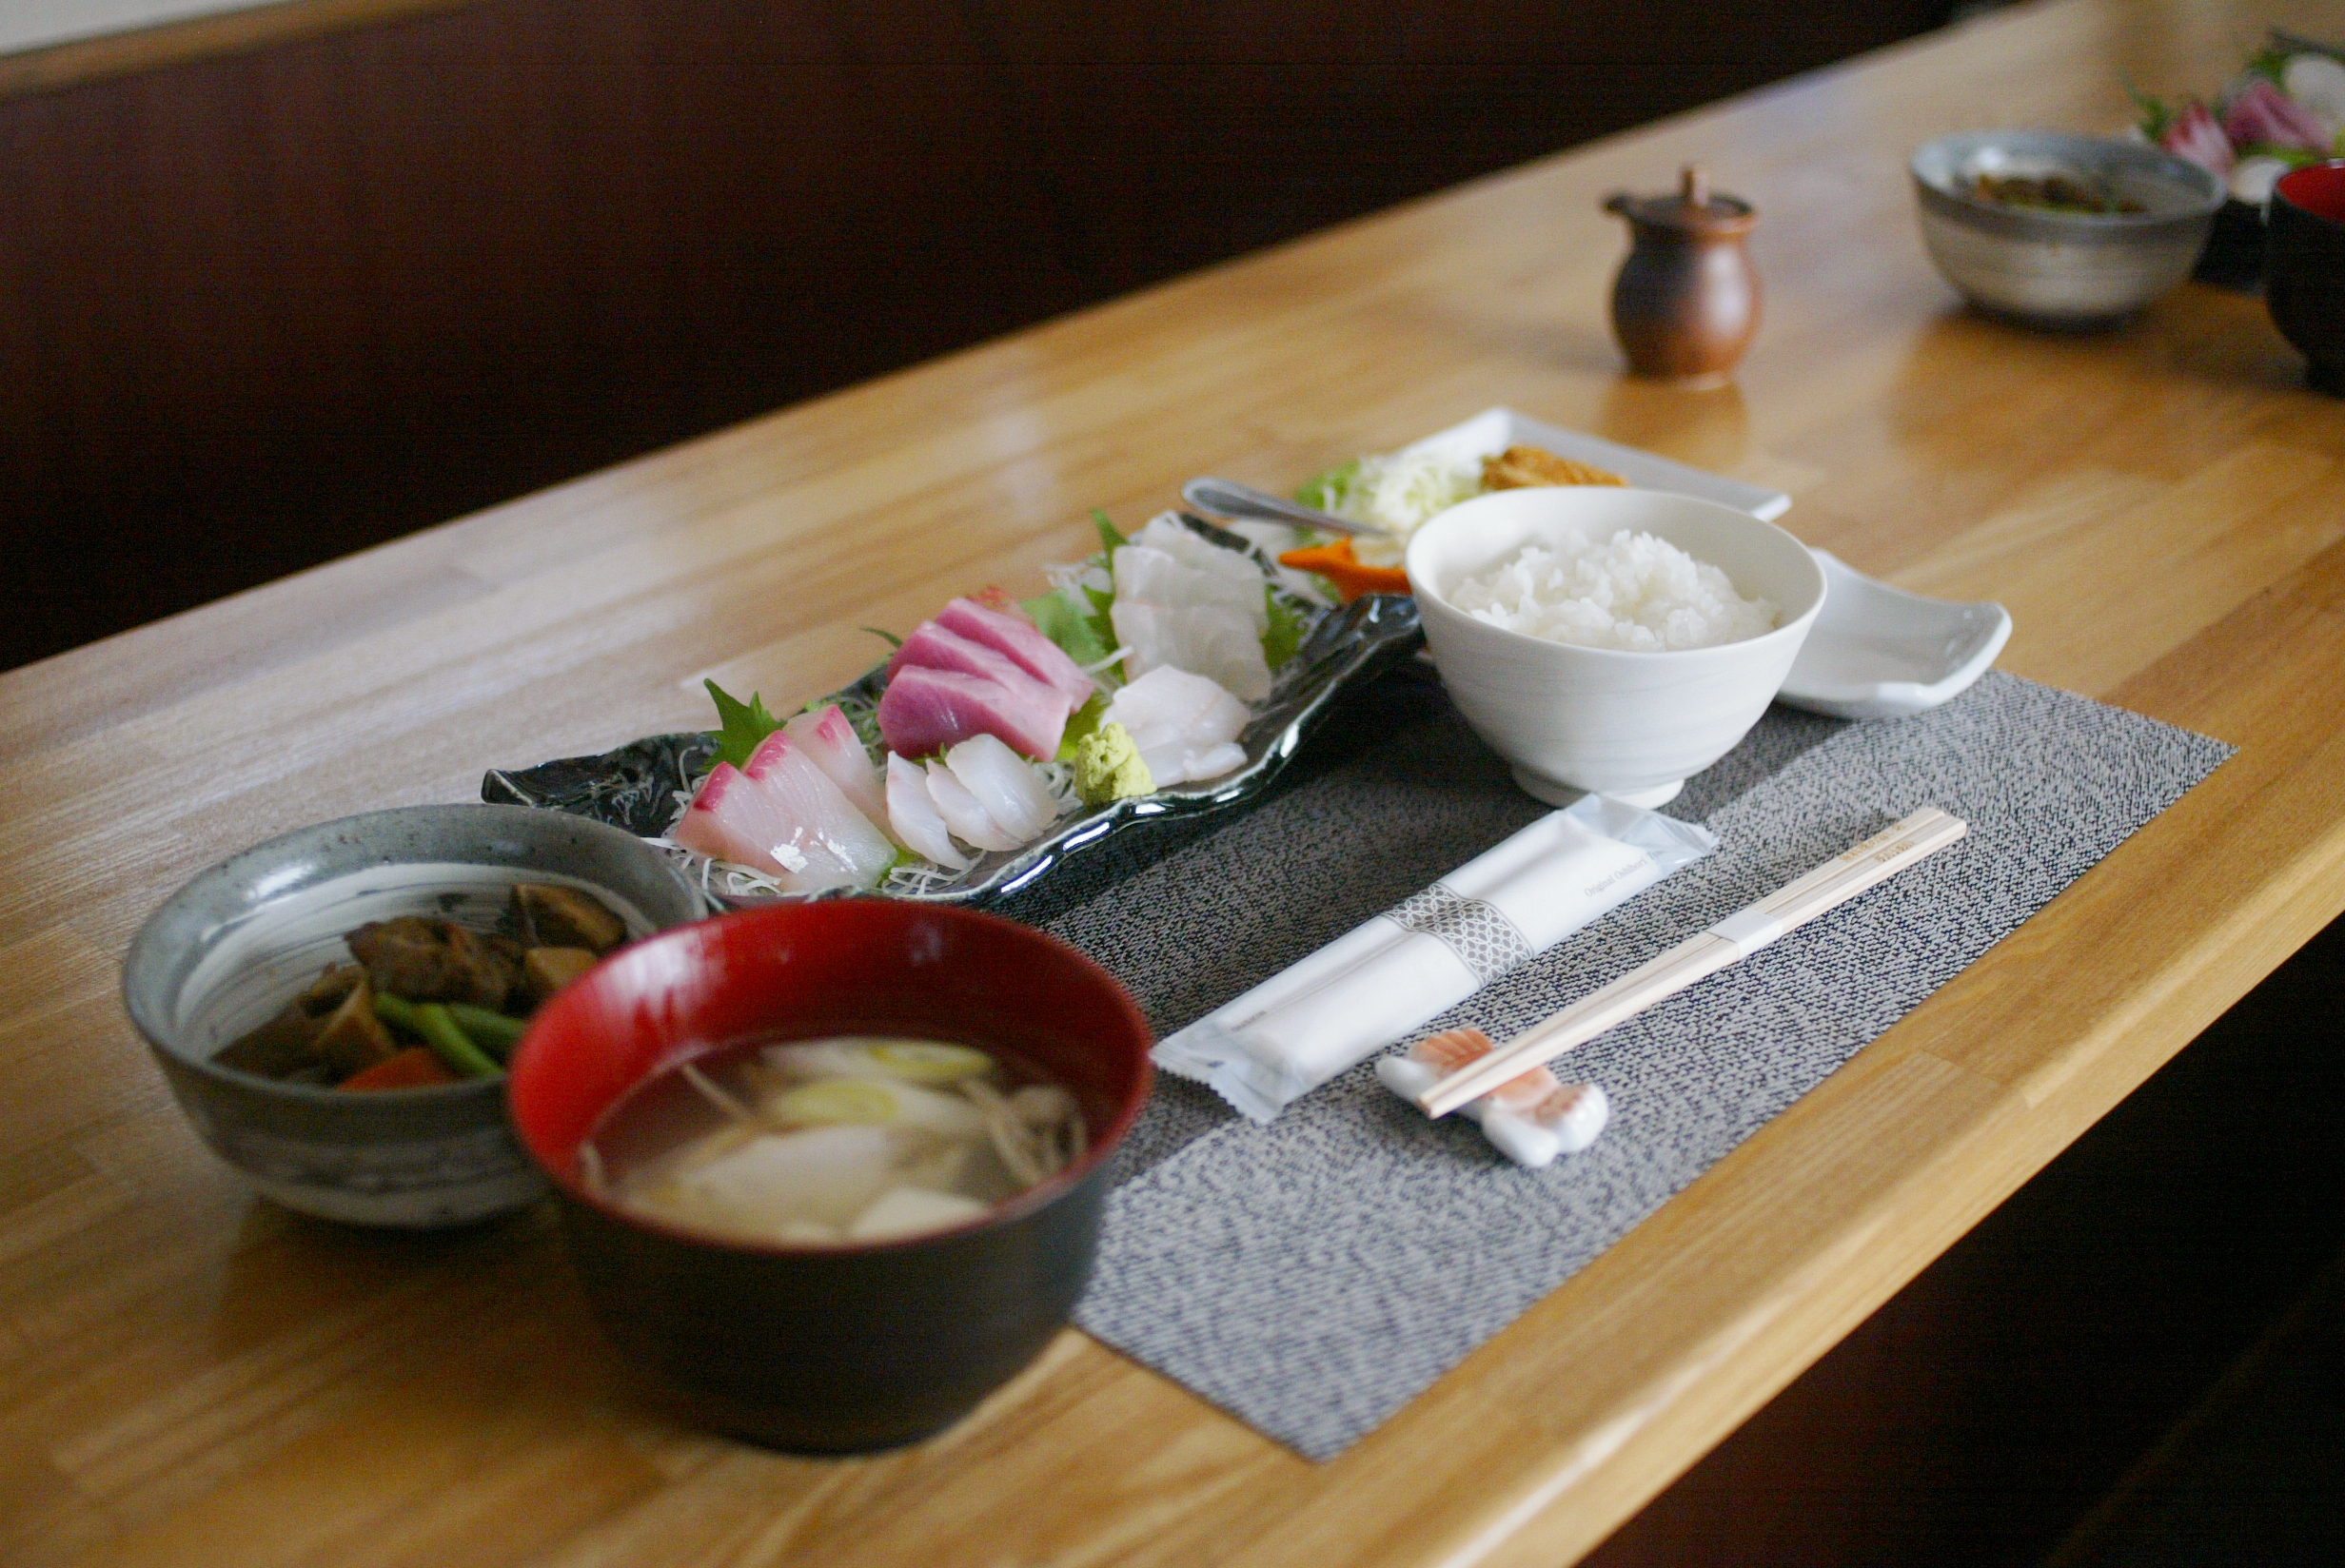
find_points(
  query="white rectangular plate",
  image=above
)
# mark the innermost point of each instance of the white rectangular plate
(1493, 430)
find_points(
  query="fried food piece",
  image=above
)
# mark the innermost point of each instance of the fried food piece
(545, 970)
(1532, 467)
(563, 917)
(354, 1039)
(426, 960)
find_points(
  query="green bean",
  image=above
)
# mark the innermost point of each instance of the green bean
(430, 1021)
(497, 1032)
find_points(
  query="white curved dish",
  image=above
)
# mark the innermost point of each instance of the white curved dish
(1878, 651)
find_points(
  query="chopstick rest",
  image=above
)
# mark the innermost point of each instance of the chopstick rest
(1826, 887)
(1371, 986)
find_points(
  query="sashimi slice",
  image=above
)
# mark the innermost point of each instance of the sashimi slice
(913, 813)
(936, 647)
(1005, 785)
(816, 826)
(1166, 532)
(728, 820)
(1152, 577)
(1023, 641)
(962, 812)
(1185, 725)
(924, 711)
(1207, 639)
(832, 743)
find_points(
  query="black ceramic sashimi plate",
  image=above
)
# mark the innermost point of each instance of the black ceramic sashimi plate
(635, 786)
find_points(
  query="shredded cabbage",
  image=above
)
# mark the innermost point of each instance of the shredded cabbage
(1400, 494)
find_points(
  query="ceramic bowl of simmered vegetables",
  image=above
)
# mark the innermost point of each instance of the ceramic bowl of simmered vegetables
(2060, 230)
(333, 1009)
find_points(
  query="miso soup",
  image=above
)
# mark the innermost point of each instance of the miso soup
(847, 1139)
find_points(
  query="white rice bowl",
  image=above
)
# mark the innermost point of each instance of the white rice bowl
(1634, 593)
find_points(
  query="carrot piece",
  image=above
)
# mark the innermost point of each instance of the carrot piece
(418, 1067)
(1336, 563)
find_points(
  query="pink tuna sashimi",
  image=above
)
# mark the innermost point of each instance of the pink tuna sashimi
(831, 741)
(924, 711)
(936, 647)
(821, 841)
(1024, 642)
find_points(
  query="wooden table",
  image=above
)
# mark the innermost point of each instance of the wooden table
(190, 1375)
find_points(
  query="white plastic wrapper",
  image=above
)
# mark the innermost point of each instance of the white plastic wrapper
(1379, 980)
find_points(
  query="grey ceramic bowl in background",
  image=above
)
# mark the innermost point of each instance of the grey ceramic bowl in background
(236, 944)
(2069, 269)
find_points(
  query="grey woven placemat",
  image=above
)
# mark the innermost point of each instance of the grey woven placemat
(1313, 1275)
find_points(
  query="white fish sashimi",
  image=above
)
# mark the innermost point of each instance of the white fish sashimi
(1185, 725)
(913, 817)
(1153, 577)
(1208, 639)
(1166, 532)
(963, 812)
(1011, 791)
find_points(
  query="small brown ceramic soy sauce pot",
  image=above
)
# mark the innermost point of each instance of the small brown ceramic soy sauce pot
(1686, 305)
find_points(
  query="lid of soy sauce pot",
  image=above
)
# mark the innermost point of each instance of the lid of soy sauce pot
(1691, 208)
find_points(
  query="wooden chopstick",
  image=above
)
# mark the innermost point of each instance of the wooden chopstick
(1828, 887)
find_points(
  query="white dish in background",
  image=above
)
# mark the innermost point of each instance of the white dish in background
(1496, 429)
(1878, 651)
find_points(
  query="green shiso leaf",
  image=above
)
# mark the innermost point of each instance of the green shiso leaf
(888, 638)
(742, 725)
(1287, 629)
(1068, 625)
(1109, 540)
(1083, 722)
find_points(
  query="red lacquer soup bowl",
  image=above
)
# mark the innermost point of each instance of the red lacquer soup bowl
(843, 1348)
(2304, 267)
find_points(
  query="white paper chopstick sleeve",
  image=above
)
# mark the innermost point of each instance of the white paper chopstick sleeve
(1379, 980)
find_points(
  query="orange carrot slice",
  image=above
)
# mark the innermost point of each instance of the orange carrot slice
(1336, 563)
(416, 1067)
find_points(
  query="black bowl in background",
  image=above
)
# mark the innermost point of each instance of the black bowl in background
(2304, 268)
(839, 1349)
(2233, 255)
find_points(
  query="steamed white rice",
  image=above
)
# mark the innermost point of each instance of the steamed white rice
(1634, 593)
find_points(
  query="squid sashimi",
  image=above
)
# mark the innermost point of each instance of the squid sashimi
(1023, 642)
(963, 812)
(924, 711)
(1185, 725)
(1005, 785)
(831, 742)
(913, 815)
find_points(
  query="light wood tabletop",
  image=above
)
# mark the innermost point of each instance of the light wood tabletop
(189, 1374)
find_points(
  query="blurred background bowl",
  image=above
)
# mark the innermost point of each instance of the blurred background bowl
(230, 949)
(835, 1349)
(1570, 719)
(2066, 269)
(2304, 268)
